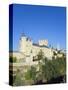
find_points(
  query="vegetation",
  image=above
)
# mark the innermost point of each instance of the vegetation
(12, 59)
(30, 75)
(54, 68)
(18, 79)
(50, 71)
(40, 55)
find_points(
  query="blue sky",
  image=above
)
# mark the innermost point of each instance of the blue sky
(39, 22)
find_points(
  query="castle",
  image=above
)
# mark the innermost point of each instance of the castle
(27, 53)
(29, 50)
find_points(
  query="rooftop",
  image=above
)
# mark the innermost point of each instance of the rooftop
(40, 45)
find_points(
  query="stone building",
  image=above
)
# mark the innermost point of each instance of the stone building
(28, 50)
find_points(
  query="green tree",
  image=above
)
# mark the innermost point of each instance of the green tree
(47, 70)
(40, 55)
(12, 59)
(40, 59)
(18, 79)
(30, 75)
(54, 68)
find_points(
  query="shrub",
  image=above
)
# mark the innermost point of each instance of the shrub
(12, 59)
(30, 75)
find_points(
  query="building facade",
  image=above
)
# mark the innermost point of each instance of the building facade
(29, 50)
(26, 56)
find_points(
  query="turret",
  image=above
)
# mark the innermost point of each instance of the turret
(43, 42)
(25, 45)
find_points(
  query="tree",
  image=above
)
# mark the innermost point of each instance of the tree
(47, 70)
(30, 75)
(54, 68)
(18, 79)
(40, 59)
(12, 59)
(40, 55)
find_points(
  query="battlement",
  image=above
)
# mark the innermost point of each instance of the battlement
(43, 42)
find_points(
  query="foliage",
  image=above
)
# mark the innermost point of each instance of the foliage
(48, 69)
(40, 55)
(18, 79)
(12, 59)
(54, 53)
(40, 59)
(54, 68)
(30, 75)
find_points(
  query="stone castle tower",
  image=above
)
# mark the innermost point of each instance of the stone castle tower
(25, 45)
(30, 49)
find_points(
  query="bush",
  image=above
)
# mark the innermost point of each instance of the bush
(54, 68)
(30, 75)
(12, 59)
(18, 79)
(48, 70)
